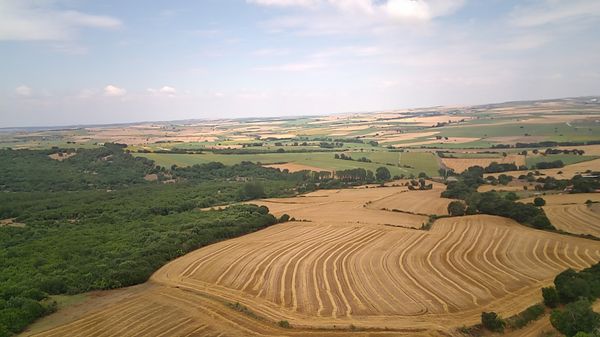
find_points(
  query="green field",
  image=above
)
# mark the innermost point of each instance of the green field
(419, 162)
(567, 159)
(552, 132)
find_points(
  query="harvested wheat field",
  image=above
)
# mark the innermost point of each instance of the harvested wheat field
(295, 167)
(461, 164)
(418, 202)
(566, 172)
(345, 207)
(566, 199)
(577, 219)
(513, 186)
(343, 266)
(568, 212)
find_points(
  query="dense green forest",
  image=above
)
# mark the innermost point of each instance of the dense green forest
(91, 221)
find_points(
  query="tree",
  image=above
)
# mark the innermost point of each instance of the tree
(539, 202)
(492, 322)
(550, 297)
(456, 208)
(252, 190)
(571, 285)
(382, 174)
(576, 317)
(583, 334)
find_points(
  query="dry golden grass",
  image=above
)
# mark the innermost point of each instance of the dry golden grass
(418, 202)
(433, 120)
(513, 186)
(569, 212)
(566, 172)
(450, 140)
(578, 219)
(399, 137)
(11, 223)
(294, 167)
(61, 156)
(566, 199)
(343, 266)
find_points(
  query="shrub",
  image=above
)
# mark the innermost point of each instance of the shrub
(284, 324)
(492, 322)
(576, 317)
(523, 318)
(550, 297)
(539, 202)
(456, 208)
(252, 190)
(382, 174)
(284, 218)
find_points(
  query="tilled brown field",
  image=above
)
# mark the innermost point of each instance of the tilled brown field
(343, 268)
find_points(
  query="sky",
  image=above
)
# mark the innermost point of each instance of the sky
(67, 62)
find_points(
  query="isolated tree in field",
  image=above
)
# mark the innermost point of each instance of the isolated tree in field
(576, 317)
(539, 202)
(456, 208)
(382, 174)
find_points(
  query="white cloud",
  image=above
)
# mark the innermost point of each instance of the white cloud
(168, 90)
(86, 93)
(285, 3)
(552, 11)
(114, 91)
(525, 42)
(35, 20)
(165, 90)
(420, 10)
(23, 91)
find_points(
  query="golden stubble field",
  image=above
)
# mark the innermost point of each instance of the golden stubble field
(347, 263)
(570, 213)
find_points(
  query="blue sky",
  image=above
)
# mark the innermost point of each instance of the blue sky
(65, 62)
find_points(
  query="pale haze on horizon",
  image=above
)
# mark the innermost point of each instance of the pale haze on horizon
(66, 62)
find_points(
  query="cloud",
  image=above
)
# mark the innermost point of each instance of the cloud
(285, 3)
(23, 91)
(420, 10)
(524, 42)
(165, 90)
(86, 93)
(27, 20)
(552, 11)
(114, 91)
